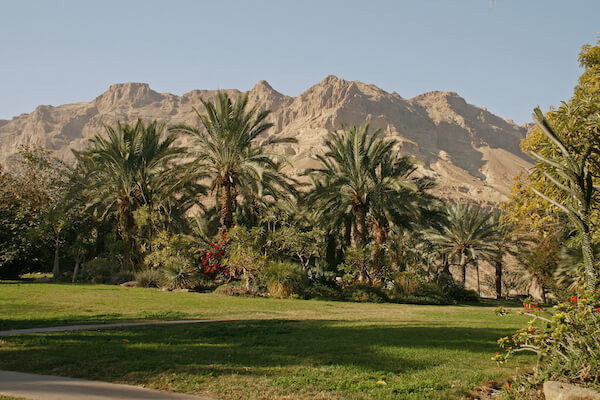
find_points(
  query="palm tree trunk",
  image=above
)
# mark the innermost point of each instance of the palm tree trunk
(347, 232)
(380, 232)
(498, 266)
(226, 200)
(360, 215)
(463, 270)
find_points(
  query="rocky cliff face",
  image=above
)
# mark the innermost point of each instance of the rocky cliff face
(472, 153)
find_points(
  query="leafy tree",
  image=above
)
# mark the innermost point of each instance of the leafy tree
(227, 151)
(566, 147)
(570, 173)
(31, 194)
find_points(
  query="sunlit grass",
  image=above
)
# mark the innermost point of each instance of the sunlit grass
(275, 348)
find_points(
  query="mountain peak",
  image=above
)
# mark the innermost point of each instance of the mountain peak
(131, 94)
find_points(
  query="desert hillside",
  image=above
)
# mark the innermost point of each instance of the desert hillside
(472, 153)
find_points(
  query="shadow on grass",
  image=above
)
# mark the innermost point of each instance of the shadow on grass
(108, 318)
(244, 347)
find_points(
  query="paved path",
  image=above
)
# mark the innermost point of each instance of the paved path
(45, 387)
(13, 332)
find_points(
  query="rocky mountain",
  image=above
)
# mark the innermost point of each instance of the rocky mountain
(472, 153)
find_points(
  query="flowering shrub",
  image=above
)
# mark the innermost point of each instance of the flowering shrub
(566, 340)
(212, 260)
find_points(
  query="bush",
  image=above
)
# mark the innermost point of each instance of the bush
(284, 279)
(179, 275)
(322, 291)
(236, 288)
(103, 270)
(566, 342)
(362, 292)
(148, 278)
(413, 289)
(456, 291)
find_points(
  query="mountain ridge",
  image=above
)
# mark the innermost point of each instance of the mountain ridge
(473, 153)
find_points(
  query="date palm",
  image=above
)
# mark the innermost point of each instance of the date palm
(228, 151)
(362, 176)
(466, 233)
(129, 168)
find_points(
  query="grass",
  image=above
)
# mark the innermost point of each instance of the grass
(273, 348)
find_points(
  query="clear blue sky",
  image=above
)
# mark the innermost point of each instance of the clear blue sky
(508, 56)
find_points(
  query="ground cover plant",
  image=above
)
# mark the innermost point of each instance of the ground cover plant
(273, 348)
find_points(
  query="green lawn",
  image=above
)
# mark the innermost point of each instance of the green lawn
(274, 348)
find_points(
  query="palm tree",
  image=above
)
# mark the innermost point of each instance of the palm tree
(466, 235)
(226, 149)
(360, 176)
(129, 168)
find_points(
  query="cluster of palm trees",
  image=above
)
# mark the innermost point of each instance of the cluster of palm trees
(364, 193)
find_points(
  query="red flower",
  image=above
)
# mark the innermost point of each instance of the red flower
(508, 385)
(573, 299)
(598, 309)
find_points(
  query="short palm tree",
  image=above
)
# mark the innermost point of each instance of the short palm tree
(360, 175)
(131, 167)
(466, 233)
(227, 151)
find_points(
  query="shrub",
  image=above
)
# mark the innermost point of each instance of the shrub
(321, 291)
(456, 291)
(236, 288)
(103, 270)
(147, 278)
(362, 292)
(413, 289)
(565, 341)
(179, 275)
(284, 279)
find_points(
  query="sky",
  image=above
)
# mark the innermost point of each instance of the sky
(506, 55)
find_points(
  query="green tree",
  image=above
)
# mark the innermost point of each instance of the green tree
(566, 147)
(467, 233)
(361, 176)
(132, 167)
(31, 194)
(227, 150)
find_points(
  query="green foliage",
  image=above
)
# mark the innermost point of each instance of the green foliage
(361, 173)
(131, 167)
(103, 270)
(246, 258)
(284, 279)
(237, 289)
(411, 288)
(362, 292)
(467, 233)
(317, 290)
(358, 262)
(565, 340)
(148, 278)
(31, 223)
(227, 154)
(179, 275)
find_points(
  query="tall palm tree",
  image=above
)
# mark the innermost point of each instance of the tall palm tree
(466, 234)
(360, 176)
(227, 150)
(129, 168)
